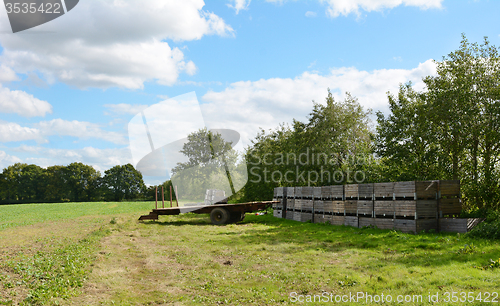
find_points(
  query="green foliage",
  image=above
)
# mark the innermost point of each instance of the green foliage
(451, 130)
(123, 183)
(334, 146)
(488, 230)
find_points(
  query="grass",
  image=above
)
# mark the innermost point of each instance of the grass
(99, 254)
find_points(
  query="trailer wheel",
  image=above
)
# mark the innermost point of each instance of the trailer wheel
(220, 216)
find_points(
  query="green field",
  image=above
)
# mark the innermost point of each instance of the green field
(99, 254)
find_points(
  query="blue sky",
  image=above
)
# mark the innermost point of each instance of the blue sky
(69, 88)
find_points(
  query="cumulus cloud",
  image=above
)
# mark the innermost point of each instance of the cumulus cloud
(239, 5)
(112, 43)
(78, 129)
(22, 103)
(336, 8)
(10, 131)
(100, 159)
(7, 74)
(267, 102)
(7, 160)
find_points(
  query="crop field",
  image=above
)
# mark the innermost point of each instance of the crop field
(99, 254)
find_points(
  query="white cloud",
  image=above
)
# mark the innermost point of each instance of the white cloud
(112, 43)
(10, 131)
(239, 5)
(7, 74)
(310, 14)
(79, 129)
(336, 8)
(125, 109)
(100, 159)
(7, 160)
(265, 103)
(22, 103)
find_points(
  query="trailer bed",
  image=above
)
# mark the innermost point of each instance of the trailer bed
(219, 213)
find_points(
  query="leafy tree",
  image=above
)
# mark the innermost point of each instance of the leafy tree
(81, 181)
(123, 183)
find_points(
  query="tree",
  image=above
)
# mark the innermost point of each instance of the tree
(123, 183)
(81, 181)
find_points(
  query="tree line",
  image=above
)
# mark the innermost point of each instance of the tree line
(448, 130)
(76, 182)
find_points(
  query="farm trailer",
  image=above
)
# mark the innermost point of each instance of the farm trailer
(219, 213)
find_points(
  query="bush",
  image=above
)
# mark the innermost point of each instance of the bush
(489, 229)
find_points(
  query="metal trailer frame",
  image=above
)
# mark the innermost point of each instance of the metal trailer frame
(219, 213)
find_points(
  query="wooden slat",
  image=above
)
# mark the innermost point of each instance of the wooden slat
(290, 204)
(453, 225)
(279, 192)
(418, 208)
(383, 190)
(415, 226)
(298, 192)
(365, 208)
(307, 205)
(319, 206)
(328, 206)
(351, 191)
(332, 192)
(351, 206)
(419, 189)
(337, 220)
(307, 192)
(449, 188)
(297, 216)
(383, 208)
(365, 191)
(298, 204)
(277, 213)
(384, 223)
(351, 221)
(338, 207)
(290, 192)
(319, 218)
(317, 192)
(366, 222)
(290, 215)
(305, 217)
(449, 206)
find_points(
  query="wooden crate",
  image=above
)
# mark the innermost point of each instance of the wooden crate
(338, 207)
(418, 209)
(290, 204)
(383, 208)
(328, 206)
(351, 191)
(319, 206)
(290, 192)
(307, 205)
(415, 226)
(290, 215)
(279, 192)
(307, 192)
(449, 206)
(317, 192)
(351, 221)
(415, 190)
(365, 191)
(366, 222)
(298, 192)
(365, 208)
(335, 192)
(384, 223)
(351, 206)
(297, 216)
(306, 216)
(337, 220)
(277, 213)
(298, 204)
(449, 189)
(458, 225)
(319, 218)
(383, 191)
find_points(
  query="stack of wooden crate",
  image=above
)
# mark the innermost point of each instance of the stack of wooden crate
(410, 206)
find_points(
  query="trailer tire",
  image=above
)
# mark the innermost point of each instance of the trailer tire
(220, 216)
